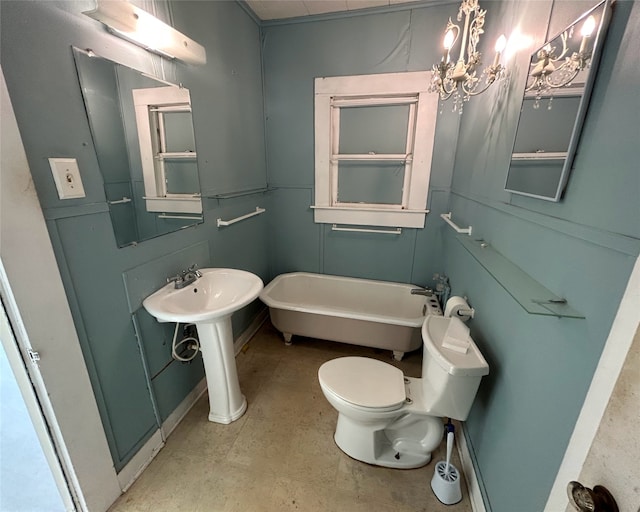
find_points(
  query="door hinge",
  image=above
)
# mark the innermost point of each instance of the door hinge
(34, 356)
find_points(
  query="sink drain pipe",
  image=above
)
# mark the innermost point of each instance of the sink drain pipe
(191, 342)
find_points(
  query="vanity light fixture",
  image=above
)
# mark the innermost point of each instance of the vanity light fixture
(139, 27)
(557, 67)
(459, 80)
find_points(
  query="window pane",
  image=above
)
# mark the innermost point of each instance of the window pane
(378, 129)
(544, 129)
(538, 177)
(181, 176)
(178, 132)
(370, 182)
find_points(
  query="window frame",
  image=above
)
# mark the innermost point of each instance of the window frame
(150, 105)
(333, 93)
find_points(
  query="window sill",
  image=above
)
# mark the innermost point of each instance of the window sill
(369, 216)
(173, 204)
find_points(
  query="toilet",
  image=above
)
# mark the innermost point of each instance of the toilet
(388, 419)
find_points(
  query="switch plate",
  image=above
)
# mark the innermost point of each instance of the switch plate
(67, 177)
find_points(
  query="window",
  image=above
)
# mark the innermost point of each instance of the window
(373, 145)
(167, 148)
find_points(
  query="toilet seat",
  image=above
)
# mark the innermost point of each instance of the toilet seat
(364, 382)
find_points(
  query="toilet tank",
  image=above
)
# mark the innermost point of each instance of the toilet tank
(452, 367)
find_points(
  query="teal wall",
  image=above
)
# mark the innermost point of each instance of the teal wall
(104, 283)
(582, 248)
(294, 54)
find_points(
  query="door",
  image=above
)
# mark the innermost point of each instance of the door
(31, 475)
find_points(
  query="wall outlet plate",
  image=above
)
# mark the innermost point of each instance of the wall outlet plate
(66, 175)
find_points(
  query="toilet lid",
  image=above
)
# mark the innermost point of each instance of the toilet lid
(363, 381)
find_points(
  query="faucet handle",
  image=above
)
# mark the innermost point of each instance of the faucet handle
(177, 278)
(194, 268)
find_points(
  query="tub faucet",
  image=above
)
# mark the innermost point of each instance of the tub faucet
(427, 292)
(186, 277)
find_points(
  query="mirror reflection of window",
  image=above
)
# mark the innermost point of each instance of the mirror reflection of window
(179, 147)
(107, 92)
(163, 120)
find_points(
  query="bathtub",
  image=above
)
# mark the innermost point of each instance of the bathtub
(363, 312)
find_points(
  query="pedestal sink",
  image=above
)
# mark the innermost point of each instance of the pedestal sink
(208, 303)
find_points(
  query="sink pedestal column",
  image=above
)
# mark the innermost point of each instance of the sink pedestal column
(226, 402)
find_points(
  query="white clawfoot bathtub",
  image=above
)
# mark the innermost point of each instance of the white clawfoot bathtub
(376, 314)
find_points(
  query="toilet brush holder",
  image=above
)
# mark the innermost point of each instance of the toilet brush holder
(446, 478)
(446, 483)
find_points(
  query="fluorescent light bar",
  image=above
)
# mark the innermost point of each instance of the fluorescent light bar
(139, 27)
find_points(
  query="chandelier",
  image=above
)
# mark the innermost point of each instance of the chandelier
(556, 66)
(460, 80)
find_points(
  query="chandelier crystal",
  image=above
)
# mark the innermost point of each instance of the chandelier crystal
(460, 80)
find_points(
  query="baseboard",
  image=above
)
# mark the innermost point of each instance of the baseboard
(140, 461)
(150, 449)
(248, 333)
(469, 471)
(174, 419)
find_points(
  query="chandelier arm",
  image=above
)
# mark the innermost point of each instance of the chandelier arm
(445, 97)
(565, 47)
(535, 83)
(565, 82)
(475, 91)
(445, 93)
(475, 30)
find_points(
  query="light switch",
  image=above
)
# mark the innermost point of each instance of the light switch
(67, 177)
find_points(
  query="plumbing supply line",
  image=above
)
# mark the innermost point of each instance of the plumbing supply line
(175, 346)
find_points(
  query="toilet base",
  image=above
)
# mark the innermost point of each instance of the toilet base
(405, 444)
(387, 458)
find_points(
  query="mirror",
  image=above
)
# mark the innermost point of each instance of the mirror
(143, 136)
(555, 101)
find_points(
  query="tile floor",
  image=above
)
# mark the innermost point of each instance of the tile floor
(280, 455)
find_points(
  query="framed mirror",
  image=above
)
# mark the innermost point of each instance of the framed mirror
(144, 141)
(554, 104)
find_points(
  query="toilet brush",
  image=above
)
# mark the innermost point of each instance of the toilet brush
(446, 479)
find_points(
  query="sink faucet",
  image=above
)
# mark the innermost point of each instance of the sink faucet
(427, 292)
(186, 277)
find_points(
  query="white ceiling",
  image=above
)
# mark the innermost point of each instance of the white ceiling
(279, 9)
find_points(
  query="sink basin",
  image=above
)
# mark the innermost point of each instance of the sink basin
(219, 292)
(208, 303)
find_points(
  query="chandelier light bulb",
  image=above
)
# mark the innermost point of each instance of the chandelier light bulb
(449, 38)
(500, 45)
(587, 30)
(589, 25)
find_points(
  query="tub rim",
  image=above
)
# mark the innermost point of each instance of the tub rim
(415, 322)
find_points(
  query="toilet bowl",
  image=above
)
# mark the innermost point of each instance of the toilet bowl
(388, 419)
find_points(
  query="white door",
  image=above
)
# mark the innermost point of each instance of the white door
(31, 476)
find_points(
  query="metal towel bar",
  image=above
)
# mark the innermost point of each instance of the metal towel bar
(187, 217)
(447, 218)
(125, 199)
(397, 231)
(258, 211)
